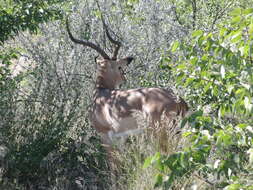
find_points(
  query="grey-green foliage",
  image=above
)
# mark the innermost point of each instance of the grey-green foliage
(46, 130)
(48, 137)
(144, 33)
(147, 28)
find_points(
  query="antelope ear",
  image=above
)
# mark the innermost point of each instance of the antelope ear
(101, 62)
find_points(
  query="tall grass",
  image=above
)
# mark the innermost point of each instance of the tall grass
(132, 154)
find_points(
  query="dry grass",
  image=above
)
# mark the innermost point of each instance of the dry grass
(130, 172)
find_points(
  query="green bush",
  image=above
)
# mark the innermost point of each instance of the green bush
(216, 70)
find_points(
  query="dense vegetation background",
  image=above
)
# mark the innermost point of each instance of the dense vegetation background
(202, 49)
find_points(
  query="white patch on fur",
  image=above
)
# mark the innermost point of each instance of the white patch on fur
(128, 133)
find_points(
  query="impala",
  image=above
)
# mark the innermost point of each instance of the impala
(112, 113)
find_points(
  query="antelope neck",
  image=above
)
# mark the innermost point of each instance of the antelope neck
(103, 88)
(102, 83)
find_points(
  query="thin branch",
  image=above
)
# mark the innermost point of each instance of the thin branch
(220, 13)
(176, 14)
(202, 179)
(194, 13)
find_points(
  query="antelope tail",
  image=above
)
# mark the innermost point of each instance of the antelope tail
(183, 108)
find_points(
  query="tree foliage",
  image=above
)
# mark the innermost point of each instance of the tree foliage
(216, 69)
(20, 15)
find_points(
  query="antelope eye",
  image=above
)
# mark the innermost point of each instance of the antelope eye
(120, 68)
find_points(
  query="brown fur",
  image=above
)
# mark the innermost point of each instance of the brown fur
(113, 109)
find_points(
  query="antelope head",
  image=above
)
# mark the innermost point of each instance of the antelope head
(111, 70)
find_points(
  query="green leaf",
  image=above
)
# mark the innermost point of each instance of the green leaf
(233, 187)
(184, 159)
(207, 86)
(195, 114)
(245, 50)
(158, 180)
(236, 20)
(223, 31)
(186, 134)
(151, 160)
(236, 37)
(248, 11)
(242, 125)
(222, 111)
(147, 162)
(240, 92)
(205, 57)
(193, 60)
(189, 81)
(159, 165)
(174, 46)
(215, 91)
(156, 157)
(236, 12)
(197, 33)
(250, 28)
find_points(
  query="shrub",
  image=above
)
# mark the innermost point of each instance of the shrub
(216, 69)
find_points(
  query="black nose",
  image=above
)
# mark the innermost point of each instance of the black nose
(129, 60)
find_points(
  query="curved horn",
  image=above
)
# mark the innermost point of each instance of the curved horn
(117, 43)
(86, 43)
